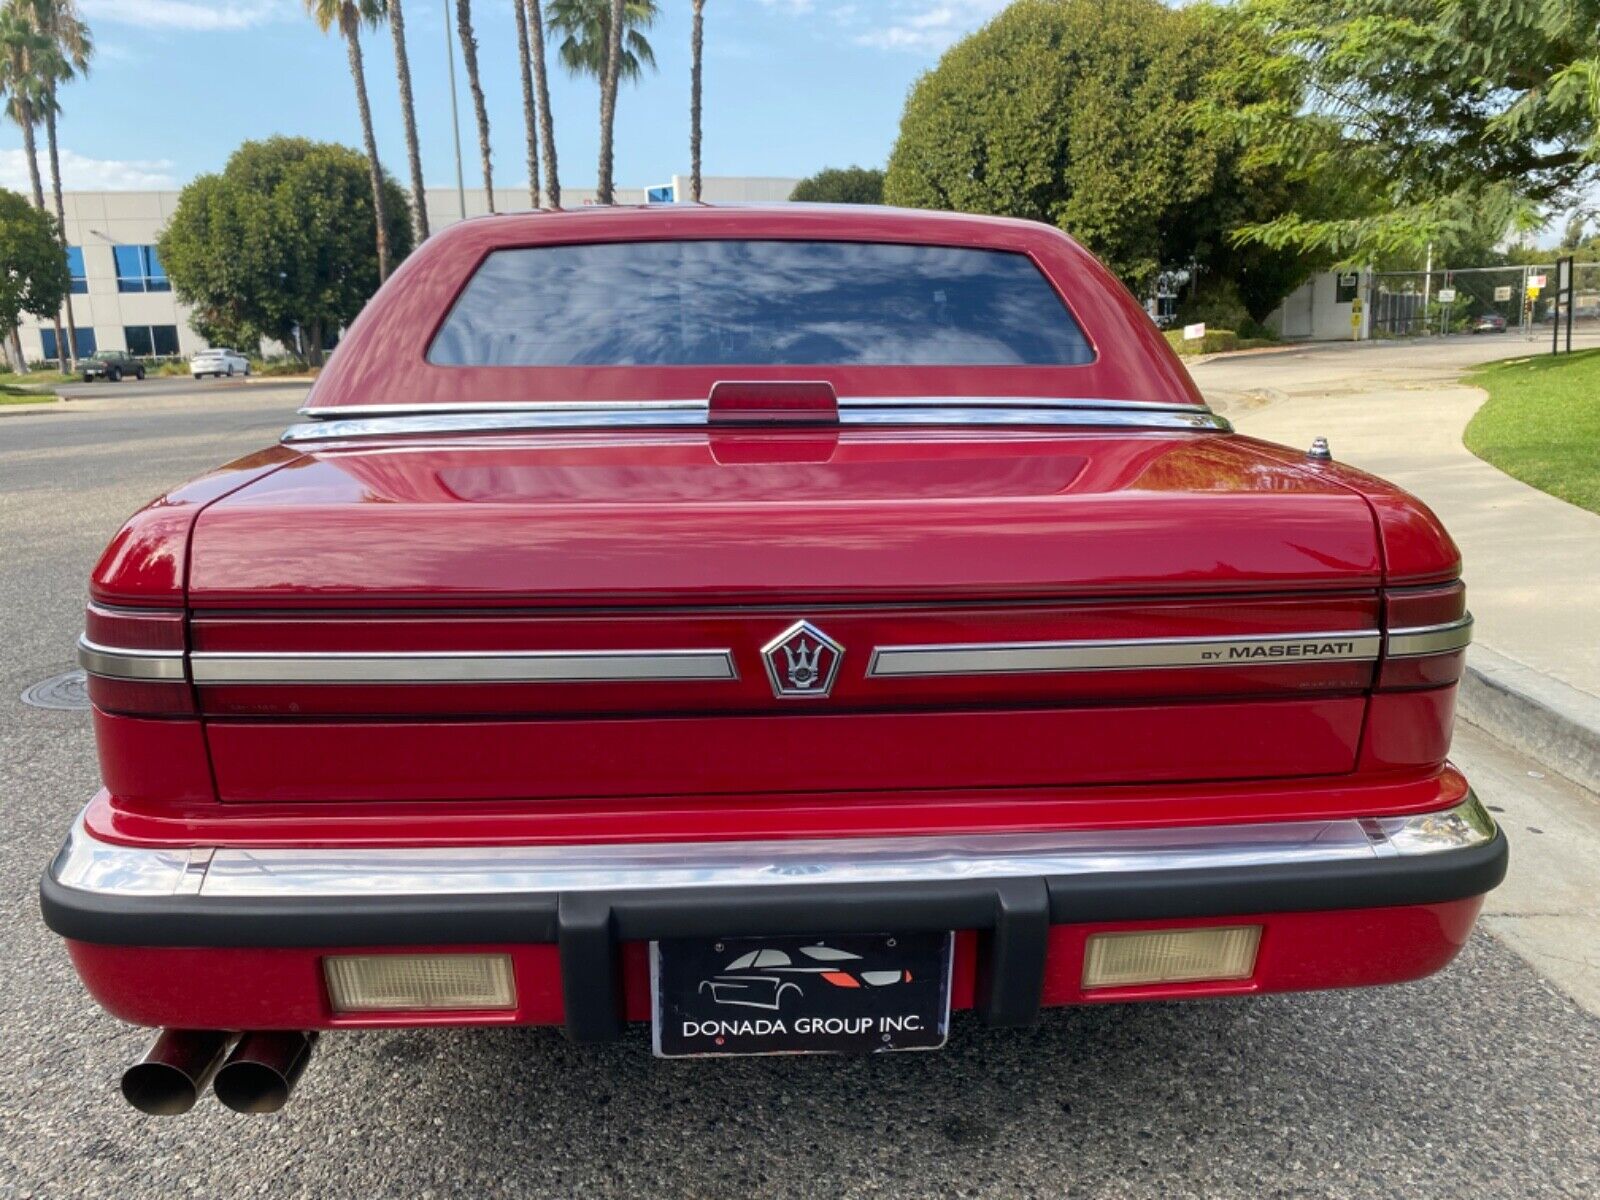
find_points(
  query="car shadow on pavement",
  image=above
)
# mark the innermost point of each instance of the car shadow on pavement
(1244, 1096)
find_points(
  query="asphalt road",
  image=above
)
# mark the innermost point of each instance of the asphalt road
(1480, 1082)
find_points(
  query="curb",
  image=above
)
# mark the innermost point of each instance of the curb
(1543, 717)
(28, 410)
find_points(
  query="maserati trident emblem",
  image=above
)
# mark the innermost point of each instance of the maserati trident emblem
(802, 661)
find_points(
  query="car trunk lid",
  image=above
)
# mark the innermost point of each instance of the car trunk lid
(634, 613)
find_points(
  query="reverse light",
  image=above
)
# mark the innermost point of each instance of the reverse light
(1170, 956)
(418, 982)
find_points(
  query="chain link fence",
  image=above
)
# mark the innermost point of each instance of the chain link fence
(1479, 301)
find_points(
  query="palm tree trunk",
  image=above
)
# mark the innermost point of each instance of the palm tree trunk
(408, 111)
(70, 353)
(608, 99)
(696, 41)
(469, 56)
(379, 209)
(527, 100)
(19, 360)
(541, 83)
(30, 147)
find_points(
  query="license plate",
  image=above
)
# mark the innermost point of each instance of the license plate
(855, 994)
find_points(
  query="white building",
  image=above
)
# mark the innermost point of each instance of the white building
(122, 300)
(1328, 307)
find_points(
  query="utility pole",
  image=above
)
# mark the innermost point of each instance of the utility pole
(455, 115)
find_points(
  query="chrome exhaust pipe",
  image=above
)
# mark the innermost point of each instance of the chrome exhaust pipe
(263, 1069)
(169, 1078)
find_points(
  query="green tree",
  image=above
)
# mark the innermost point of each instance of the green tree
(350, 16)
(841, 185)
(283, 239)
(1097, 117)
(33, 277)
(1467, 115)
(587, 49)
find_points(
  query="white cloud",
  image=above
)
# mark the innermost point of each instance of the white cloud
(928, 26)
(80, 173)
(916, 26)
(199, 16)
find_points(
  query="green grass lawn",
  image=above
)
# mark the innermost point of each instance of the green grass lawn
(1542, 423)
(10, 393)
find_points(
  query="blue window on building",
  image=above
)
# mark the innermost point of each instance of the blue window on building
(140, 270)
(85, 343)
(80, 279)
(665, 194)
(146, 341)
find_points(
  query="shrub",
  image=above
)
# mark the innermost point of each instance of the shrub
(834, 185)
(1216, 341)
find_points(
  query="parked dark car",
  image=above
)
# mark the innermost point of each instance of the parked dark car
(112, 365)
(1489, 323)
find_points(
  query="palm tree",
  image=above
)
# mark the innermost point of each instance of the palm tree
(528, 121)
(408, 112)
(696, 42)
(349, 16)
(608, 101)
(22, 51)
(591, 49)
(72, 47)
(469, 56)
(541, 83)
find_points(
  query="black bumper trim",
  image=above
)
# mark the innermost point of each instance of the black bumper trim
(1013, 917)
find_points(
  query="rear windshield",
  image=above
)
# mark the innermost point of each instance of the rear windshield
(680, 303)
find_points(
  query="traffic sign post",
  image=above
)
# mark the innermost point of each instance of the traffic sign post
(1565, 286)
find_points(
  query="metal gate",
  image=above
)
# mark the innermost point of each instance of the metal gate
(1470, 300)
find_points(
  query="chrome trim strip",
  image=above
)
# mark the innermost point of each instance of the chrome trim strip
(1430, 639)
(502, 666)
(88, 864)
(110, 662)
(1004, 658)
(693, 414)
(342, 411)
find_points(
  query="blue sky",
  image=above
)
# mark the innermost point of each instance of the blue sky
(791, 86)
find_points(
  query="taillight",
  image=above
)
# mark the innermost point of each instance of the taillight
(135, 662)
(1426, 633)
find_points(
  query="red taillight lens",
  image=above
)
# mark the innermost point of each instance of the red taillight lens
(1426, 632)
(135, 661)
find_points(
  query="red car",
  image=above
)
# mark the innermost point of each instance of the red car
(646, 587)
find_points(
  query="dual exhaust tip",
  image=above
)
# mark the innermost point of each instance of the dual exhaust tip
(257, 1076)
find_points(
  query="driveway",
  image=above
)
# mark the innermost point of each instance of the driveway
(1398, 410)
(1479, 1082)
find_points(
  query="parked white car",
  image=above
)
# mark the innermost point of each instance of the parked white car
(218, 361)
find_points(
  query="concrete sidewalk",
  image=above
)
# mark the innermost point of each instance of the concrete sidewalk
(1532, 561)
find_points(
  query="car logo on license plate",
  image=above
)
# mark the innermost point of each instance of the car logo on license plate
(802, 661)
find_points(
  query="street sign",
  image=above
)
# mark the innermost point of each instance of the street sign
(1502, 293)
(1194, 333)
(1447, 295)
(1535, 288)
(1564, 274)
(1535, 281)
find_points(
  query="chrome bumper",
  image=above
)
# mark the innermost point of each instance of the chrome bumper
(87, 864)
(588, 900)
